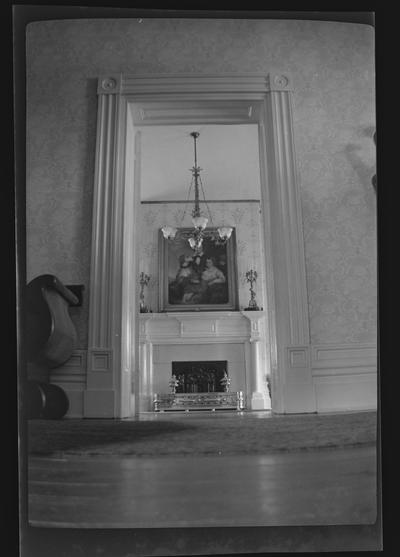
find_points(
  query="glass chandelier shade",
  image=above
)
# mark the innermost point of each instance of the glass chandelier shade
(225, 232)
(199, 221)
(169, 232)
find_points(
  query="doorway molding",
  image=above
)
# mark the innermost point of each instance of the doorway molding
(127, 102)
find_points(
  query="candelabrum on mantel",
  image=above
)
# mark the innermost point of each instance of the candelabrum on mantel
(251, 277)
(143, 281)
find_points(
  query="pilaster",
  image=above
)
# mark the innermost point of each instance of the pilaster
(101, 397)
(284, 245)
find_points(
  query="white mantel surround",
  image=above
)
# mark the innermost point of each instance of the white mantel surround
(235, 336)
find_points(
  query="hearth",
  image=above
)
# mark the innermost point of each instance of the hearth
(199, 377)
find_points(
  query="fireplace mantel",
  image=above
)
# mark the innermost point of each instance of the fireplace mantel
(202, 334)
(202, 326)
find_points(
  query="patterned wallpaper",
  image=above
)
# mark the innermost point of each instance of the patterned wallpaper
(332, 67)
(243, 216)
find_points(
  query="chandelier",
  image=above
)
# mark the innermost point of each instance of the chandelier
(195, 237)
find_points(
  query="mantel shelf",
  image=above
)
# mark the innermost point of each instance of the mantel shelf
(214, 326)
(202, 314)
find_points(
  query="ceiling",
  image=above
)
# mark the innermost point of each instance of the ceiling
(228, 155)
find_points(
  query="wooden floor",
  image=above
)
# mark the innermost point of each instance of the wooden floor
(311, 488)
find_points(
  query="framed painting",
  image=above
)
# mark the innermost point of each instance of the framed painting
(205, 282)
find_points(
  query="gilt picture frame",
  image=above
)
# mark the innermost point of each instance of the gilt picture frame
(207, 282)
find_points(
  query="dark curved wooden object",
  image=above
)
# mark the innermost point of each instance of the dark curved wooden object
(46, 401)
(50, 333)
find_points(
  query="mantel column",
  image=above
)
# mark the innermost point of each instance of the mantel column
(145, 364)
(260, 399)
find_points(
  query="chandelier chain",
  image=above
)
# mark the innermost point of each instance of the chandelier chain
(187, 200)
(205, 201)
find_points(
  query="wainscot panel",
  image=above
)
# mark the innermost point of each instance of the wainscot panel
(345, 377)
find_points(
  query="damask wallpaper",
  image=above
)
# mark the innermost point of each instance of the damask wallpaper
(332, 68)
(244, 217)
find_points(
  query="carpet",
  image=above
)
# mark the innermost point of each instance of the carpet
(200, 435)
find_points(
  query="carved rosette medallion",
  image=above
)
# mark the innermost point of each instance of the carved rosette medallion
(109, 85)
(281, 81)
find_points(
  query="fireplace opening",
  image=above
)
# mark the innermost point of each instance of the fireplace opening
(200, 377)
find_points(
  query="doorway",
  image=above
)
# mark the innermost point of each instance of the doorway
(128, 102)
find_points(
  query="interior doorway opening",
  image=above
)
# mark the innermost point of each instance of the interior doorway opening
(129, 102)
(228, 155)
